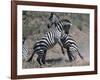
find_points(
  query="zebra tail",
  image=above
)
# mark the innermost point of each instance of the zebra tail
(30, 57)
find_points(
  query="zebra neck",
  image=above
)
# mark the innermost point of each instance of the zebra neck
(59, 26)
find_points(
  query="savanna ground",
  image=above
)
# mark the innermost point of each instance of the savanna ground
(35, 26)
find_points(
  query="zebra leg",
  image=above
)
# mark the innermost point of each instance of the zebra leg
(30, 57)
(39, 60)
(40, 57)
(43, 58)
(70, 54)
(62, 50)
(80, 54)
(73, 55)
(61, 45)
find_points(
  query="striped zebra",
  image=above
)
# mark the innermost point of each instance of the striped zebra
(66, 40)
(50, 38)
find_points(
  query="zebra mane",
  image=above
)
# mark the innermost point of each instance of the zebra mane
(66, 20)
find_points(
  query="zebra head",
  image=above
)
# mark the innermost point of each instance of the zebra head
(53, 18)
(61, 24)
(66, 25)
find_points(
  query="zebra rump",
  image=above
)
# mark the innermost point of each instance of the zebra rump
(41, 46)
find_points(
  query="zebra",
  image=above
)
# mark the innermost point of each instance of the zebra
(50, 38)
(66, 40)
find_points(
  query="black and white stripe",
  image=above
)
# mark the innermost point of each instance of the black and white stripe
(42, 45)
(71, 46)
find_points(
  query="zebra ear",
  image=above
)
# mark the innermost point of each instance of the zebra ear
(52, 14)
